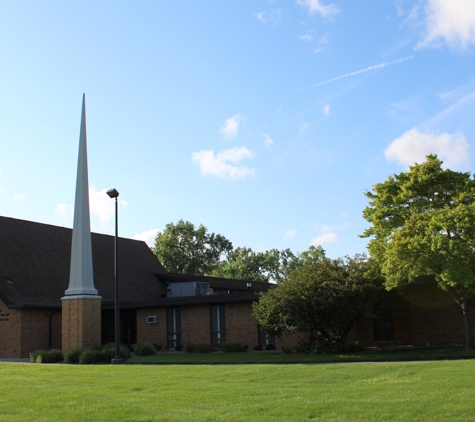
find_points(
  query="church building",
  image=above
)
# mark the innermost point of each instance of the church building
(57, 291)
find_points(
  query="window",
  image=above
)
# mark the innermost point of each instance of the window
(128, 326)
(384, 327)
(218, 327)
(173, 327)
(264, 338)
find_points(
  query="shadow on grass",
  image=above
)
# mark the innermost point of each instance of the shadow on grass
(399, 355)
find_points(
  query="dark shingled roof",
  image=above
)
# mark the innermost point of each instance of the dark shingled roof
(35, 259)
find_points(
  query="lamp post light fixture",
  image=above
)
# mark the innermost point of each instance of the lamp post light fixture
(113, 193)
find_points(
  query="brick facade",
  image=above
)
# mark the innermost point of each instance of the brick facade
(81, 323)
(153, 333)
(196, 325)
(10, 332)
(23, 331)
(437, 320)
(431, 318)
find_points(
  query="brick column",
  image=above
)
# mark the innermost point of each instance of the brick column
(81, 323)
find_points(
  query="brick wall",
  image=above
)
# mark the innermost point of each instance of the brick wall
(81, 323)
(437, 319)
(10, 332)
(432, 318)
(153, 333)
(34, 330)
(23, 331)
(195, 326)
(364, 330)
(240, 324)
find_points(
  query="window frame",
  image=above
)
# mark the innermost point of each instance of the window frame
(217, 324)
(173, 326)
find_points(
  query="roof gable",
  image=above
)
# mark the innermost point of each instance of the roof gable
(35, 260)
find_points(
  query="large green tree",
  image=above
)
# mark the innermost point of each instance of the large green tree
(246, 264)
(271, 266)
(423, 223)
(327, 295)
(183, 248)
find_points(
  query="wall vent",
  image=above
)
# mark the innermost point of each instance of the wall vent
(152, 319)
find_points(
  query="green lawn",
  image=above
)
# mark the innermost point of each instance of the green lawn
(432, 391)
(279, 358)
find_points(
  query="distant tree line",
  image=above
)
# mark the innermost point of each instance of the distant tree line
(187, 249)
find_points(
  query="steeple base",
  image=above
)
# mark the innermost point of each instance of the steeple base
(81, 322)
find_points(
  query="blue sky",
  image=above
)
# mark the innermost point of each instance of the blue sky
(266, 121)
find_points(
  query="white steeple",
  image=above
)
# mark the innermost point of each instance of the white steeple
(81, 279)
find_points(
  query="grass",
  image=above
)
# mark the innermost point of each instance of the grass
(280, 358)
(423, 391)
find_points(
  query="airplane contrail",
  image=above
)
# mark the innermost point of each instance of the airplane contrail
(346, 75)
(191, 105)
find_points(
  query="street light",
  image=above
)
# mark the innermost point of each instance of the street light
(113, 193)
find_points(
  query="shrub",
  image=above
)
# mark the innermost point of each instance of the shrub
(288, 350)
(304, 348)
(73, 356)
(198, 348)
(270, 346)
(355, 346)
(110, 348)
(232, 347)
(158, 347)
(258, 348)
(145, 349)
(47, 356)
(107, 354)
(179, 347)
(326, 346)
(91, 357)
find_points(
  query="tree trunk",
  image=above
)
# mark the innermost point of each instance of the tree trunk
(469, 344)
(465, 304)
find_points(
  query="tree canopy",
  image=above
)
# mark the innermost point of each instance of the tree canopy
(183, 248)
(423, 223)
(328, 295)
(245, 264)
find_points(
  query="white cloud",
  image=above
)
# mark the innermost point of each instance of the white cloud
(290, 233)
(231, 126)
(413, 146)
(303, 127)
(147, 236)
(326, 11)
(65, 211)
(268, 142)
(326, 109)
(324, 39)
(325, 238)
(306, 37)
(19, 197)
(101, 205)
(272, 17)
(260, 16)
(449, 21)
(219, 165)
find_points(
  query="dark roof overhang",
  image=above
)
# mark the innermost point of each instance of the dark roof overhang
(186, 300)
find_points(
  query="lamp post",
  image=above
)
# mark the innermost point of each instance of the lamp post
(113, 193)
